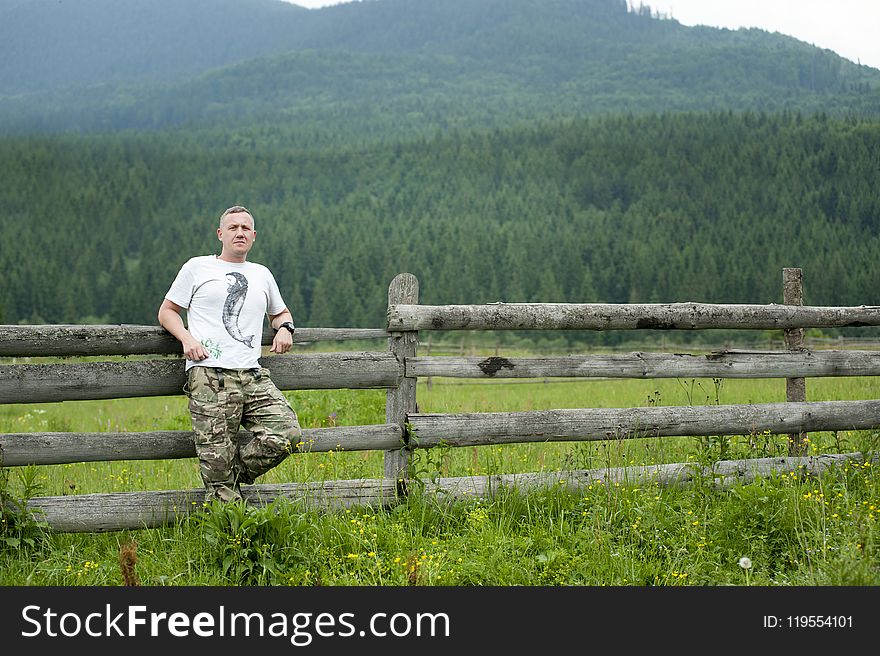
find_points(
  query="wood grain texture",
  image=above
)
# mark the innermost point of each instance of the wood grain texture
(124, 339)
(401, 399)
(717, 364)
(74, 381)
(604, 316)
(720, 475)
(20, 449)
(796, 385)
(95, 513)
(135, 510)
(476, 429)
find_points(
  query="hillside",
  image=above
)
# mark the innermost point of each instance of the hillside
(517, 150)
(689, 207)
(46, 45)
(393, 67)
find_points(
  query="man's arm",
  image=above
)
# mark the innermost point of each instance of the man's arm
(170, 320)
(283, 339)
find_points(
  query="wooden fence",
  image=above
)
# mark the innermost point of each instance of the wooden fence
(397, 370)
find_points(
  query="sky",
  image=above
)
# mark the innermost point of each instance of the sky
(851, 28)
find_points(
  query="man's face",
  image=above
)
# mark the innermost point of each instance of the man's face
(237, 234)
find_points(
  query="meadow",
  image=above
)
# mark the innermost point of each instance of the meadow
(784, 530)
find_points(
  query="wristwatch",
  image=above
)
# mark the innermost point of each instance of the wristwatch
(288, 325)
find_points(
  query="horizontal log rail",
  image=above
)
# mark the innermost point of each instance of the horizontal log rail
(720, 475)
(606, 316)
(482, 428)
(125, 339)
(94, 513)
(136, 510)
(76, 381)
(20, 449)
(718, 364)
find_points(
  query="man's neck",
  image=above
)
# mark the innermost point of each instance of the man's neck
(231, 258)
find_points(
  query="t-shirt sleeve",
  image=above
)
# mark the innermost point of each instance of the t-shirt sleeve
(181, 290)
(276, 303)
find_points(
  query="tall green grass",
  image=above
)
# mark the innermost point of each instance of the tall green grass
(795, 531)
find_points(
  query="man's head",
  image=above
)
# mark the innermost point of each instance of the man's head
(236, 233)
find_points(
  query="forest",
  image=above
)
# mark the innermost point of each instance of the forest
(500, 150)
(660, 208)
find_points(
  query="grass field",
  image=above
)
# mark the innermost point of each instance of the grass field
(794, 531)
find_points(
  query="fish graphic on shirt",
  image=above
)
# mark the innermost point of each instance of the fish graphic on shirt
(232, 308)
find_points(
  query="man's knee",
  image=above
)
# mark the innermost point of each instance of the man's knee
(269, 445)
(279, 429)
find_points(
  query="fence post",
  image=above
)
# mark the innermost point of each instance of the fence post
(795, 388)
(400, 401)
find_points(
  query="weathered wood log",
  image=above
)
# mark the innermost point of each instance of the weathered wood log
(94, 513)
(123, 339)
(401, 399)
(475, 429)
(136, 510)
(19, 449)
(795, 386)
(718, 364)
(40, 383)
(606, 316)
(722, 474)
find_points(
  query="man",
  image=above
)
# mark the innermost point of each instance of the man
(226, 299)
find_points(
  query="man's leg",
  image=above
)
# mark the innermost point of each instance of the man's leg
(215, 423)
(274, 424)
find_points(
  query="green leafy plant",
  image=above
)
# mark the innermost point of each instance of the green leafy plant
(428, 464)
(18, 528)
(250, 544)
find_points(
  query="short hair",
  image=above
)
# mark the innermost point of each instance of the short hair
(235, 209)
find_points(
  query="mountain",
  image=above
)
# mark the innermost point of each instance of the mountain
(392, 67)
(47, 45)
(621, 157)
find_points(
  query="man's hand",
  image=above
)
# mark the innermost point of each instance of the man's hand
(282, 342)
(170, 320)
(283, 337)
(193, 350)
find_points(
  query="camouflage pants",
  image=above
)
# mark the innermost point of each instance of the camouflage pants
(221, 401)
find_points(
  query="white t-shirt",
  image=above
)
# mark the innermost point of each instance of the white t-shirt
(226, 304)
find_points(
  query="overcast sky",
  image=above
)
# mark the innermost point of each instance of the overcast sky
(850, 28)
